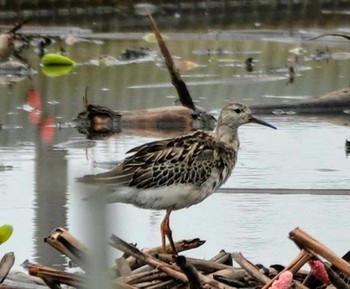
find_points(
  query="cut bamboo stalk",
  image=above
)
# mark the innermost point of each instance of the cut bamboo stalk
(146, 258)
(141, 277)
(190, 271)
(336, 280)
(223, 258)
(6, 264)
(180, 246)
(304, 240)
(63, 241)
(293, 267)
(58, 276)
(125, 247)
(163, 285)
(205, 266)
(250, 268)
(123, 268)
(236, 275)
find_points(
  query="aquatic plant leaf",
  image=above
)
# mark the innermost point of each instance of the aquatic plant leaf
(56, 59)
(56, 70)
(5, 233)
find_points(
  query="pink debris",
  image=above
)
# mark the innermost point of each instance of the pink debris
(319, 271)
(284, 281)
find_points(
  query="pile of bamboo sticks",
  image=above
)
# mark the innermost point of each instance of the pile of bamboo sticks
(152, 269)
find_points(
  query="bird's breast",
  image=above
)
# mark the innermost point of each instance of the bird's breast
(178, 196)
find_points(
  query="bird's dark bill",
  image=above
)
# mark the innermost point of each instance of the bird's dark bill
(262, 122)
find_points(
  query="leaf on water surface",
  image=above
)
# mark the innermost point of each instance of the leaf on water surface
(56, 70)
(5, 233)
(56, 59)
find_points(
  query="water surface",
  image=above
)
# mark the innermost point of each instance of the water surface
(38, 177)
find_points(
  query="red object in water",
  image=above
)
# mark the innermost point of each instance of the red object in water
(34, 98)
(34, 116)
(319, 270)
(284, 281)
(34, 101)
(47, 129)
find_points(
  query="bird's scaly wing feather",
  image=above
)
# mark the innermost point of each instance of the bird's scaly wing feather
(186, 159)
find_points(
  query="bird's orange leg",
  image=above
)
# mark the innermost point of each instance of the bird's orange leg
(166, 231)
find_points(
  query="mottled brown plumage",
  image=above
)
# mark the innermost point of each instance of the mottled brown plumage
(179, 172)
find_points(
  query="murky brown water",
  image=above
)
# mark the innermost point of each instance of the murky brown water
(39, 167)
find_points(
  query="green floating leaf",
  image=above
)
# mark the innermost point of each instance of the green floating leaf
(56, 70)
(5, 233)
(56, 59)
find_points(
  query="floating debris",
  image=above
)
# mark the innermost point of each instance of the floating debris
(72, 39)
(334, 102)
(128, 56)
(151, 38)
(4, 168)
(136, 53)
(220, 51)
(12, 72)
(347, 147)
(185, 65)
(15, 69)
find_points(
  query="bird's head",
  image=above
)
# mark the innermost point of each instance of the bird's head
(236, 114)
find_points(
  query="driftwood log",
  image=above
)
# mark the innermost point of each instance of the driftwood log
(336, 102)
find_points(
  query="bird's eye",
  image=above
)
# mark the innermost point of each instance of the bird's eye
(237, 110)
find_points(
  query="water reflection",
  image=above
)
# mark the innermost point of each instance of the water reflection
(50, 201)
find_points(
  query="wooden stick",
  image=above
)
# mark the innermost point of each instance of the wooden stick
(180, 246)
(293, 267)
(6, 264)
(146, 258)
(166, 284)
(64, 242)
(315, 247)
(223, 257)
(180, 86)
(57, 275)
(335, 279)
(141, 277)
(202, 265)
(125, 247)
(250, 268)
(190, 271)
